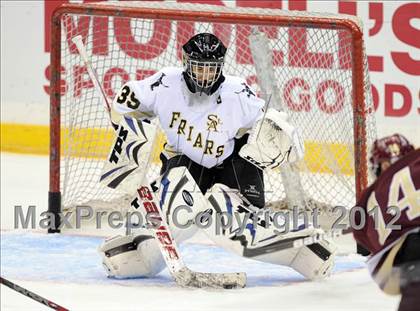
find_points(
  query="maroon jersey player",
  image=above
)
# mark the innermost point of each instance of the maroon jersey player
(392, 230)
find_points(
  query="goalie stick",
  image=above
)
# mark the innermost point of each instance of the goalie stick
(180, 272)
(262, 56)
(31, 295)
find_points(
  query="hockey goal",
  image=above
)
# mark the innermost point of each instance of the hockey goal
(320, 76)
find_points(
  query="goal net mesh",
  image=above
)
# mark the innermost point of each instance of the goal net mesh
(314, 74)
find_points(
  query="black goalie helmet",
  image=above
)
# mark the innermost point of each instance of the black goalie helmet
(203, 58)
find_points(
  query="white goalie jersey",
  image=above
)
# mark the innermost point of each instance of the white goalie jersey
(201, 127)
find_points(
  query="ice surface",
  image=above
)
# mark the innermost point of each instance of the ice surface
(66, 268)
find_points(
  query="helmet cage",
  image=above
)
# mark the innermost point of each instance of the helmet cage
(204, 73)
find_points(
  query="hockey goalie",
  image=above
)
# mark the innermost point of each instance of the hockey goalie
(220, 140)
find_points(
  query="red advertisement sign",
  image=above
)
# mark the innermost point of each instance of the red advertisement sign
(396, 98)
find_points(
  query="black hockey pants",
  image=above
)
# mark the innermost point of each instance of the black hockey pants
(234, 172)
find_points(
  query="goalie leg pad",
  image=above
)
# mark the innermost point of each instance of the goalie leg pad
(264, 244)
(231, 225)
(315, 261)
(131, 256)
(138, 254)
(245, 233)
(181, 200)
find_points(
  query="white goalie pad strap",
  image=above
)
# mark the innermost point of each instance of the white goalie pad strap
(273, 141)
(129, 155)
(131, 256)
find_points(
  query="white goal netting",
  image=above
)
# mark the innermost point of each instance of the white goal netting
(315, 73)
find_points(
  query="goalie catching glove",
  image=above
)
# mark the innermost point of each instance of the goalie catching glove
(273, 141)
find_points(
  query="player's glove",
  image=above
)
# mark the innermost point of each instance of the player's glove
(273, 141)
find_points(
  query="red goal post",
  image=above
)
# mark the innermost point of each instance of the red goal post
(300, 42)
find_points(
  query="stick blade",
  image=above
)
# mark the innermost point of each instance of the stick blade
(187, 278)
